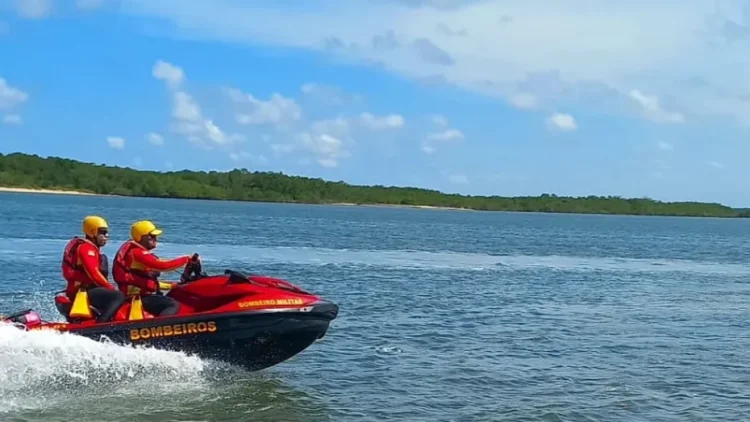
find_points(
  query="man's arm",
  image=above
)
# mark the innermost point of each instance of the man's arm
(88, 256)
(151, 262)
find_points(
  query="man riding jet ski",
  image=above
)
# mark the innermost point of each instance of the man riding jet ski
(136, 269)
(85, 269)
(251, 320)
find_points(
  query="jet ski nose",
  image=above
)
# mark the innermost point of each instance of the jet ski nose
(327, 309)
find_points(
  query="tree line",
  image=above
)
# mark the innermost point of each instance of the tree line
(31, 171)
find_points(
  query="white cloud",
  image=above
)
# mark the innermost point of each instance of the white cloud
(11, 97)
(214, 133)
(444, 134)
(595, 50)
(342, 127)
(34, 9)
(116, 142)
(665, 146)
(326, 148)
(12, 119)
(562, 121)
(328, 140)
(169, 73)
(390, 121)
(186, 109)
(188, 118)
(653, 109)
(155, 138)
(716, 164)
(277, 110)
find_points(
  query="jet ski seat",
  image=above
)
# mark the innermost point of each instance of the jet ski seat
(63, 305)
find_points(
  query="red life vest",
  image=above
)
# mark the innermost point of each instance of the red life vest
(73, 271)
(125, 271)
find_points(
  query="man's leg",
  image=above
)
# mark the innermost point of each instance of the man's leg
(106, 301)
(160, 305)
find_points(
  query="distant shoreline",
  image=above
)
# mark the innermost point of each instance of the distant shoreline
(338, 204)
(341, 204)
(346, 204)
(32, 174)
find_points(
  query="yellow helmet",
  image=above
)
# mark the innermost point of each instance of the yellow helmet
(92, 224)
(142, 228)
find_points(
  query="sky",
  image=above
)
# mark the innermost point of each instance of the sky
(483, 97)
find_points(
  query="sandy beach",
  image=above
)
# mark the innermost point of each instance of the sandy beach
(46, 191)
(427, 207)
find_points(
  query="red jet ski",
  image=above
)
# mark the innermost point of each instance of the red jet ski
(249, 320)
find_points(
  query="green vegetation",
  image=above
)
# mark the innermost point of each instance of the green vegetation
(31, 171)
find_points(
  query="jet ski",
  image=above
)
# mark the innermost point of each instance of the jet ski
(249, 320)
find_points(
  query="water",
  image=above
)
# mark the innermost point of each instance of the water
(445, 315)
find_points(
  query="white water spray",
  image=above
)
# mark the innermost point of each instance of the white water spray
(44, 365)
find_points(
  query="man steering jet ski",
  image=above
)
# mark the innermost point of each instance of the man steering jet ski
(136, 269)
(253, 320)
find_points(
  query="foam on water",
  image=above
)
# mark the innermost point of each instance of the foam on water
(53, 365)
(399, 259)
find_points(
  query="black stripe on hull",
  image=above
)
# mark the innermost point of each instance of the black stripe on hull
(253, 339)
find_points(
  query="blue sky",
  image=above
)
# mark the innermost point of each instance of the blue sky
(513, 97)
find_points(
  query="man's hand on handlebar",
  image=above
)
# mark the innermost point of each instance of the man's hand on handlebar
(193, 266)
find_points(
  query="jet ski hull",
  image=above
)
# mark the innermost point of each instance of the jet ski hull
(254, 339)
(249, 320)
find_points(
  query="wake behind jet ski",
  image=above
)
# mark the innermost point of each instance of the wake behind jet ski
(249, 320)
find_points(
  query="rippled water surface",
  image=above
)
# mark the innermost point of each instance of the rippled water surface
(445, 315)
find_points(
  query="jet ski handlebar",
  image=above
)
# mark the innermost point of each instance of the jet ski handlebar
(193, 270)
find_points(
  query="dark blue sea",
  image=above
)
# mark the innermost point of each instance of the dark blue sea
(445, 316)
